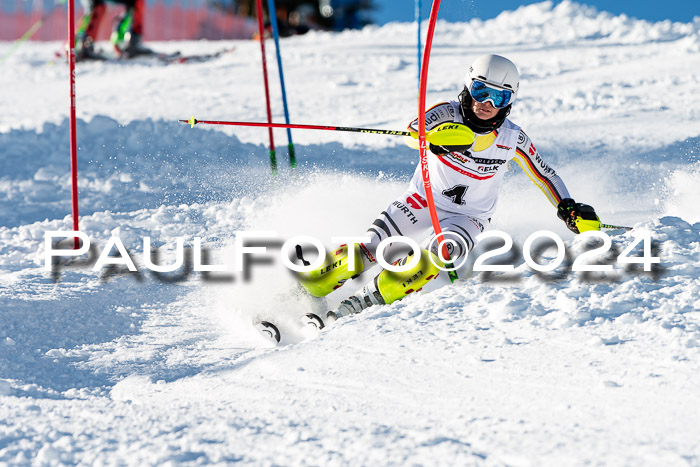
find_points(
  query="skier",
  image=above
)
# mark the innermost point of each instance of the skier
(127, 35)
(465, 181)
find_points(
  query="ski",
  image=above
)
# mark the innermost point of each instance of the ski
(173, 57)
(272, 333)
(313, 320)
(301, 321)
(178, 57)
(164, 58)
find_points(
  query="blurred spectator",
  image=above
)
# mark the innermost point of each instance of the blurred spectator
(299, 16)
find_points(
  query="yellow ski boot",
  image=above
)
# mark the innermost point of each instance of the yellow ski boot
(334, 271)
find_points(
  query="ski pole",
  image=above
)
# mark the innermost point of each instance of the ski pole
(193, 121)
(446, 134)
(608, 226)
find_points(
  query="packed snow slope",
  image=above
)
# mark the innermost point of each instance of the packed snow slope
(521, 368)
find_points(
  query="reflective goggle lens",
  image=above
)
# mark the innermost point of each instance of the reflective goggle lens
(480, 92)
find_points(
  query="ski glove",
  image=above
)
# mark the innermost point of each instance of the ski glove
(450, 137)
(578, 217)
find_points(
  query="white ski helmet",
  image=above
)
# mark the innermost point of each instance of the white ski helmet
(497, 72)
(494, 79)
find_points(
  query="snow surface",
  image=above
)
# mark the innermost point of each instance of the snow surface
(141, 368)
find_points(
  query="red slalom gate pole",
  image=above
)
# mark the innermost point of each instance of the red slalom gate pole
(422, 88)
(261, 33)
(73, 139)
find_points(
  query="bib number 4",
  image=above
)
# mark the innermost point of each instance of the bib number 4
(456, 194)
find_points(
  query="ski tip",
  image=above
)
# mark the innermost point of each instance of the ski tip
(314, 320)
(269, 329)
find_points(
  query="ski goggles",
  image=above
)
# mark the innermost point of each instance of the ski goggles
(481, 92)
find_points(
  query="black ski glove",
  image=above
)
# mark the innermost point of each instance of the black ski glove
(569, 211)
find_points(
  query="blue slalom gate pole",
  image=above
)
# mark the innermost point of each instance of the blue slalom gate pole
(418, 20)
(276, 36)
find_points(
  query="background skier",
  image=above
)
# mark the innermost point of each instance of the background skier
(128, 32)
